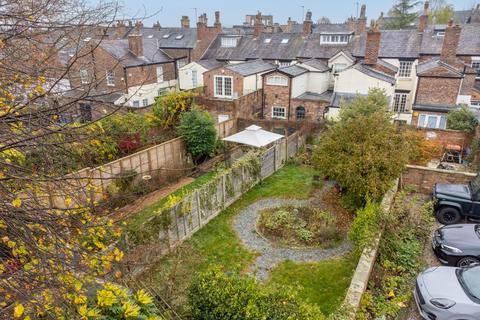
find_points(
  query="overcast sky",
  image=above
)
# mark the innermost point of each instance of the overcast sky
(233, 11)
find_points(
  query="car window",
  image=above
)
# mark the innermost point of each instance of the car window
(471, 280)
(475, 185)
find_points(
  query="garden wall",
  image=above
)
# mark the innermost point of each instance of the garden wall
(182, 216)
(424, 178)
(445, 137)
(163, 162)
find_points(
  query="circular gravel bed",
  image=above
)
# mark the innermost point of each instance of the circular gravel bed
(270, 256)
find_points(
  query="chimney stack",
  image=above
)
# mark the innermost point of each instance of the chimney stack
(258, 28)
(120, 29)
(157, 25)
(361, 25)
(475, 18)
(307, 24)
(202, 27)
(217, 24)
(185, 22)
(450, 43)
(423, 19)
(135, 40)
(372, 47)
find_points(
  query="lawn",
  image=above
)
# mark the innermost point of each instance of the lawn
(314, 280)
(218, 244)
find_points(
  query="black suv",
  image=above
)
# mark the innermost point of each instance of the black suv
(454, 201)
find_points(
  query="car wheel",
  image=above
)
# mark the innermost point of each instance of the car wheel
(467, 261)
(448, 215)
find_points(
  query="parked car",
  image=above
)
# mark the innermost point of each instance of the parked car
(446, 293)
(457, 245)
(454, 201)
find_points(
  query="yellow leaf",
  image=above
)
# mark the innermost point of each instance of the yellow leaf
(18, 310)
(68, 201)
(17, 203)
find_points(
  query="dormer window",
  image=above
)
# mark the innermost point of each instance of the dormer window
(229, 42)
(180, 36)
(166, 36)
(284, 41)
(335, 38)
(268, 40)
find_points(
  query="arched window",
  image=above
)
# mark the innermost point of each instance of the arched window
(300, 113)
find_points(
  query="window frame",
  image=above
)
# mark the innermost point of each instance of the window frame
(145, 102)
(301, 108)
(335, 68)
(278, 109)
(222, 94)
(110, 78)
(438, 122)
(271, 82)
(84, 76)
(229, 42)
(160, 75)
(136, 103)
(476, 65)
(194, 78)
(400, 100)
(335, 38)
(405, 69)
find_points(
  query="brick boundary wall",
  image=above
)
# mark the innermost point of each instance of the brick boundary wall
(360, 278)
(424, 178)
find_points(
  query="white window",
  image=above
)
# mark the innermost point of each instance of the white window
(284, 64)
(229, 42)
(182, 62)
(284, 41)
(475, 103)
(432, 121)
(337, 67)
(405, 70)
(136, 103)
(159, 74)
(476, 65)
(110, 78)
(400, 102)
(335, 38)
(145, 102)
(223, 87)
(277, 81)
(84, 76)
(194, 78)
(440, 33)
(279, 112)
(267, 40)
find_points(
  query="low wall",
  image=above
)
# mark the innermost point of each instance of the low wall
(365, 265)
(181, 218)
(246, 106)
(445, 137)
(424, 178)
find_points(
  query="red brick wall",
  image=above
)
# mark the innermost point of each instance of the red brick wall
(209, 78)
(246, 107)
(372, 47)
(148, 74)
(448, 136)
(424, 178)
(103, 61)
(276, 96)
(205, 36)
(314, 109)
(437, 90)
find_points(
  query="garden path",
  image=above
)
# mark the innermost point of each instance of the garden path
(270, 255)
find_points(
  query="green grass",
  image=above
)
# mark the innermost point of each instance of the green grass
(323, 283)
(136, 220)
(217, 244)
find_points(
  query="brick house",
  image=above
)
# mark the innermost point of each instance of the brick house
(444, 83)
(297, 92)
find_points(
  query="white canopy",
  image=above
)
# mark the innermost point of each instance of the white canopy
(254, 136)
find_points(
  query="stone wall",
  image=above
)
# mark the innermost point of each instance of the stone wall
(424, 178)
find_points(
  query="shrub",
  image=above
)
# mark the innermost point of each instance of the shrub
(422, 150)
(366, 226)
(169, 107)
(197, 128)
(462, 119)
(215, 295)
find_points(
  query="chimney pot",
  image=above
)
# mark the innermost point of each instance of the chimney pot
(307, 24)
(361, 24)
(185, 22)
(258, 27)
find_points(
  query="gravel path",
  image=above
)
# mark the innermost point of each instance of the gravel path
(270, 256)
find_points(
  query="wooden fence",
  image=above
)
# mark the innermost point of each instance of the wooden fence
(178, 221)
(164, 161)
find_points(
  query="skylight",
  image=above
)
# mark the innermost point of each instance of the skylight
(180, 36)
(166, 36)
(150, 36)
(268, 40)
(284, 41)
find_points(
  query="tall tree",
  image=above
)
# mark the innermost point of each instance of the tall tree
(403, 14)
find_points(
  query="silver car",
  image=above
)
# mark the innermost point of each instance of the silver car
(447, 293)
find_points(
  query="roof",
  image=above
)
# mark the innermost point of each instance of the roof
(313, 96)
(433, 107)
(317, 64)
(210, 64)
(387, 65)
(394, 44)
(469, 43)
(343, 97)
(254, 136)
(312, 48)
(332, 28)
(119, 49)
(374, 73)
(293, 70)
(432, 64)
(251, 67)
